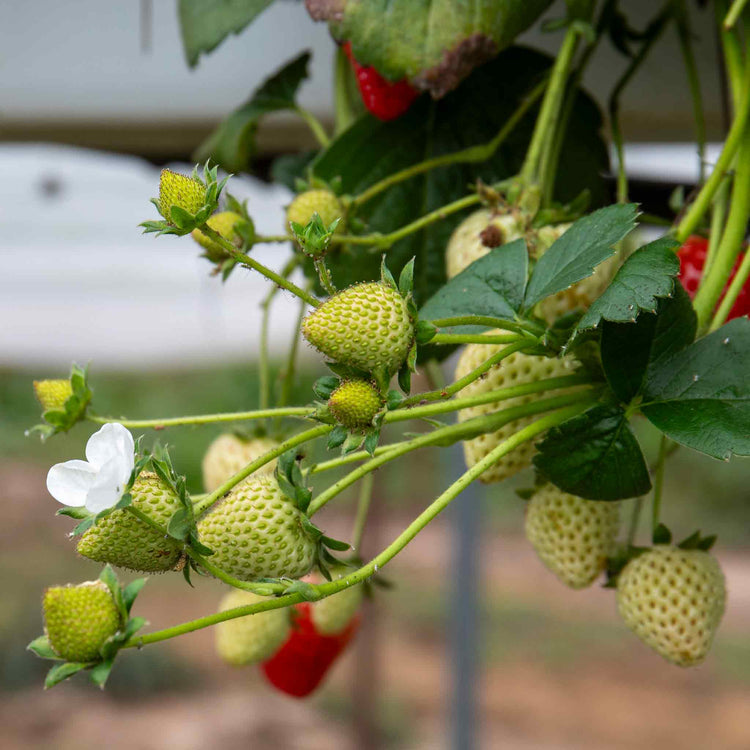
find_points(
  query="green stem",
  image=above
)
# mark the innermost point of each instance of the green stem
(265, 239)
(378, 562)
(658, 483)
(702, 203)
(343, 101)
(483, 320)
(734, 13)
(685, 37)
(291, 362)
(737, 285)
(246, 260)
(264, 589)
(471, 155)
(326, 281)
(315, 125)
(237, 416)
(719, 210)
(384, 241)
(292, 442)
(714, 282)
(634, 519)
(652, 33)
(363, 507)
(550, 110)
(452, 433)
(469, 378)
(468, 338)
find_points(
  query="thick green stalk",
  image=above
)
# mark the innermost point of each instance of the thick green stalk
(719, 210)
(731, 242)
(734, 13)
(471, 155)
(526, 326)
(737, 285)
(702, 203)
(378, 562)
(293, 442)
(550, 111)
(343, 100)
(452, 339)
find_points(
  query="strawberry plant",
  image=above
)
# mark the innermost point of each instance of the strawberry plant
(458, 203)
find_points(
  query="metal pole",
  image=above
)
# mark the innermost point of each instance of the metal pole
(464, 630)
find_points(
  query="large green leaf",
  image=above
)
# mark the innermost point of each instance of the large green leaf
(491, 286)
(573, 257)
(232, 144)
(700, 396)
(647, 275)
(434, 43)
(595, 456)
(371, 150)
(628, 349)
(205, 23)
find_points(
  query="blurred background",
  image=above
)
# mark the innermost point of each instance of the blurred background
(94, 99)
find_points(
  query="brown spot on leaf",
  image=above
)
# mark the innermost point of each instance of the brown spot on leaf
(326, 10)
(455, 65)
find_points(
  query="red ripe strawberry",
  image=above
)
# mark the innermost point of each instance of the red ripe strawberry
(384, 99)
(300, 665)
(692, 258)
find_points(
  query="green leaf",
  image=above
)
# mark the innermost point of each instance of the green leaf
(61, 672)
(595, 456)
(491, 286)
(629, 349)
(42, 648)
(406, 279)
(100, 673)
(575, 254)
(131, 591)
(646, 276)
(336, 437)
(232, 144)
(661, 535)
(700, 396)
(206, 23)
(180, 524)
(435, 43)
(335, 544)
(470, 116)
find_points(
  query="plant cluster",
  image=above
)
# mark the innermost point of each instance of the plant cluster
(468, 210)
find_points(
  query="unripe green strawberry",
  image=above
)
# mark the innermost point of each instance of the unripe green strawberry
(323, 202)
(355, 403)
(79, 619)
(333, 614)
(123, 540)
(52, 394)
(256, 532)
(476, 235)
(517, 369)
(673, 600)
(572, 536)
(223, 223)
(229, 453)
(179, 190)
(254, 638)
(542, 239)
(366, 326)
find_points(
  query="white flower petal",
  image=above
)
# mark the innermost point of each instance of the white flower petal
(69, 483)
(111, 440)
(108, 488)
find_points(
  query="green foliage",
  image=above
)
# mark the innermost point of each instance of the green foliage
(206, 23)
(492, 286)
(595, 456)
(629, 349)
(472, 115)
(436, 43)
(232, 144)
(573, 257)
(700, 396)
(646, 276)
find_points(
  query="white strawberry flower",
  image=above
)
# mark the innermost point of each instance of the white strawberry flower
(99, 482)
